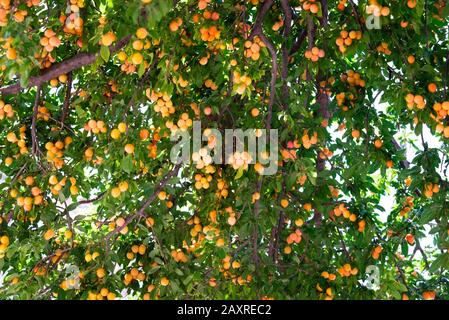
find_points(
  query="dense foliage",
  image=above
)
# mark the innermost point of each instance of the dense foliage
(91, 90)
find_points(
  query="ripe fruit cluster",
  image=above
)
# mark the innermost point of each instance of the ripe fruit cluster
(294, 237)
(442, 110)
(361, 226)
(27, 202)
(346, 270)
(232, 216)
(311, 5)
(207, 15)
(43, 113)
(197, 227)
(353, 78)
(342, 98)
(202, 158)
(341, 210)
(12, 138)
(407, 206)
(73, 23)
(210, 33)
(119, 223)
(202, 4)
(179, 256)
(314, 54)
(11, 52)
(56, 186)
(329, 276)
(278, 24)
(209, 83)
(134, 274)
(227, 263)
(6, 110)
(307, 140)
(240, 160)
(376, 252)
(431, 188)
(325, 153)
(175, 24)
(383, 48)
(417, 101)
(252, 48)
(121, 188)
(104, 294)
(377, 10)
(202, 182)
(55, 151)
(95, 126)
(241, 82)
(108, 38)
(163, 103)
(184, 123)
(222, 187)
(136, 249)
(50, 41)
(346, 38)
(4, 243)
(180, 81)
(290, 152)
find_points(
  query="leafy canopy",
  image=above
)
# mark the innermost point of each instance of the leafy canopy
(90, 92)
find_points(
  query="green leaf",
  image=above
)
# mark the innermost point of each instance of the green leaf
(127, 164)
(441, 262)
(239, 173)
(105, 53)
(141, 70)
(187, 280)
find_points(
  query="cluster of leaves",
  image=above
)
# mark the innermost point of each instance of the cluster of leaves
(90, 92)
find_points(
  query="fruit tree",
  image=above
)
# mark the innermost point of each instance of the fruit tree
(92, 92)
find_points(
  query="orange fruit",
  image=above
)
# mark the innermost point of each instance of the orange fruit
(137, 58)
(129, 148)
(108, 38)
(378, 143)
(115, 134)
(255, 112)
(284, 203)
(165, 281)
(115, 192)
(432, 87)
(11, 54)
(100, 273)
(141, 33)
(49, 234)
(411, 4)
(355, 133)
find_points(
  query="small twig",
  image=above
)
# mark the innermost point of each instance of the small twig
(35, 144)
(146, 203)
(76, 62)
(285, 52)
(66, 105)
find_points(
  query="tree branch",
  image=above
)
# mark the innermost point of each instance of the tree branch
(285, 52)
(35, 145)
(76, 62)
(66, 105)
(141, 211)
